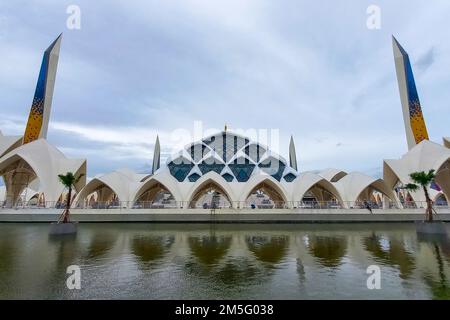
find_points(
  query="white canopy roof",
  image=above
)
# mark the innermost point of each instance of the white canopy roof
(122, 182)
(7, 143)
(425, 156)
(353, 184)
(47, 162)
(332, 174)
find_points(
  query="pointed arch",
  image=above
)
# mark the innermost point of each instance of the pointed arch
(270, 186)
(105, 192)
(158, 183)
(443, 177)
(311, 182)
(210, 180)
(43, 161)
(357, 186)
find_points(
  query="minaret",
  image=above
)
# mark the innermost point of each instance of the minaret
(39, 116)
(292, 155)
(156, 156)
(415, 127)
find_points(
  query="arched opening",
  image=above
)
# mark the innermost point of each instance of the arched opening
(318, 196)
(441, 200)
(372, 195)
(156, 196)
(210, 196)
(17, 175)
(36, 200)
(443, 179)
(403, 195)
(97, 195)
(314, 191)
(265, 196)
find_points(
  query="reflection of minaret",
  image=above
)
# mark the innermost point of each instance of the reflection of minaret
(415, 127)
(37, 124)
(292, 155)
(156, 156)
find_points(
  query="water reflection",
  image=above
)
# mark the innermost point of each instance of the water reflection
(101, 244)
(151, 248)
(240, 272)
(209, 249)
(152, 261)
(7, 252)
(328, 250)
(270, 250)
(301, 270)
(439, 284)
(66, 248)
(391, 252)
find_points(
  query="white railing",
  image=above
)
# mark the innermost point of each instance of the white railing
(172, 204)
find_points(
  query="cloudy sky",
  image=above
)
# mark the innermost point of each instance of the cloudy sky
(307, 68)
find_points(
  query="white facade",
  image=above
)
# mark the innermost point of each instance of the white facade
(8, 143)
(2, 194)
(425, 156)
(447, 142)
(238, 169)
(40, 160)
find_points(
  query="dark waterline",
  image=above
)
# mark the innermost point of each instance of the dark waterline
(190, 261)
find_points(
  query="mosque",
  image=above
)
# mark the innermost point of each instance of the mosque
(223, 170)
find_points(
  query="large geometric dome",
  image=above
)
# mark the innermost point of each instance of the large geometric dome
(236, 158)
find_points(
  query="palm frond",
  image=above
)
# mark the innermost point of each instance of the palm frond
(411, 187)
(423, 178)
(68, 179)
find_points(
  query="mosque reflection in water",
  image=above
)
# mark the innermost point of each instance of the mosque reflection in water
(225, 261)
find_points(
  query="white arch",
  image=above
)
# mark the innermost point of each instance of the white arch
(332, 175)
(122, 182)
(424, 156)
(164, 178)
(216, 179)
(436, 196)
(355, 183)
(46, 162)
(306, 181)
(256, 180)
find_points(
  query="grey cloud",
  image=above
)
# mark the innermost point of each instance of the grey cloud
(251, 64)
(426, 60)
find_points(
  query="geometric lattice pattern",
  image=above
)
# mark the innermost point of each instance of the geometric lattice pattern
(232, 156)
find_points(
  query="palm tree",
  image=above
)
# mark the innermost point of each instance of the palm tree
(423, 179)
(68, 180)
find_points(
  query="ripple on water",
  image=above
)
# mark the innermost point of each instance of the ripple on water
(121, 261)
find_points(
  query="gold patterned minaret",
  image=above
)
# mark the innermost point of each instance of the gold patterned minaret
(415, 127)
